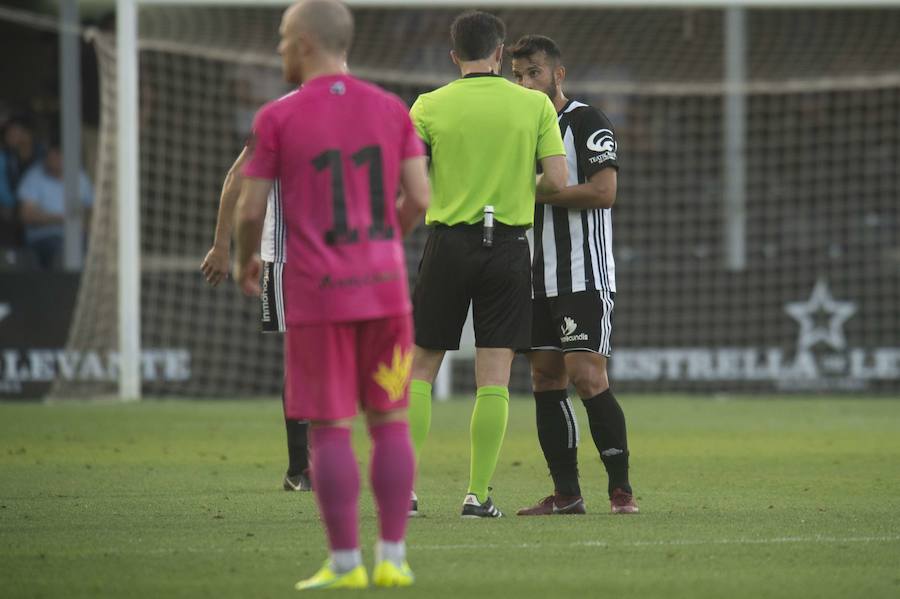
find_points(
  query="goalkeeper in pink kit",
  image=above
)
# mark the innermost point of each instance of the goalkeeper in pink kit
(343, 151)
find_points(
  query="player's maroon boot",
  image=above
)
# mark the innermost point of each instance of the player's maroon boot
(555, 504)
(622, 502)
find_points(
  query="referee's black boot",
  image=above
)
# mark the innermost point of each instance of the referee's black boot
(472, 508)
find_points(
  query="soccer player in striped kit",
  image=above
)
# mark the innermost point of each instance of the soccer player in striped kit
(573, 278)
(215, 268)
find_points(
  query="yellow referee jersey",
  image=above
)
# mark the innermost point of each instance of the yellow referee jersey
(484, 134)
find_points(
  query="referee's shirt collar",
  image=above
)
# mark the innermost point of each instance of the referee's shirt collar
(474, 75)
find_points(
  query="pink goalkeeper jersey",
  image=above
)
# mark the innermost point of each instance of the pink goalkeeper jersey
(336, 146)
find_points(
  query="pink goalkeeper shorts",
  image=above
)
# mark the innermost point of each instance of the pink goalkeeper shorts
(331, 369)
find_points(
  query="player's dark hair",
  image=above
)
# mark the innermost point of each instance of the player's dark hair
(475, 34)
(54, 140)
(21, 119)
(529, 45)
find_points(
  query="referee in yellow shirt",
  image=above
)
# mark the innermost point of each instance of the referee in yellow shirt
(484, 135)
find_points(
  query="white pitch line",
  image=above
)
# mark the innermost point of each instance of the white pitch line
(672, 543)
(253, 548)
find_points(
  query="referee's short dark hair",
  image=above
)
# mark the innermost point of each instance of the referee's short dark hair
(475, 34)
(529, 45)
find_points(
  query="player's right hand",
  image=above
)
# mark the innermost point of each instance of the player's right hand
(216, 265)
(247, 276)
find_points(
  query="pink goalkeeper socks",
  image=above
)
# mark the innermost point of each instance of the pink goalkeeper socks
(392, 471)
(335, 478)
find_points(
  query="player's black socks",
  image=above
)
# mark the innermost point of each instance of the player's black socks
(607, 423)
(559, 440)
(297, 444)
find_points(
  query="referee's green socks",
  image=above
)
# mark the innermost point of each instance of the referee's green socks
(487, 430)
(419, 413)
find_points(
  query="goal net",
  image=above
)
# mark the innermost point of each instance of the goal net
(814, 306)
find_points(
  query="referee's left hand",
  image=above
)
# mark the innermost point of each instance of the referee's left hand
(247, 276)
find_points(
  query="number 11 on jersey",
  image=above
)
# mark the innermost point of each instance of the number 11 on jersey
(341, 233)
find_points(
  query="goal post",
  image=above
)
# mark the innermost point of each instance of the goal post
(129, 193)
(548, 4)
(730, 92)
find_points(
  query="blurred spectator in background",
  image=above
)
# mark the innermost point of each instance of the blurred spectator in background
(18, 151)
(42, 206)
(254, 86)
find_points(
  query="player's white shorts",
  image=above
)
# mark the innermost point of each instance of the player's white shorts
(272, 298)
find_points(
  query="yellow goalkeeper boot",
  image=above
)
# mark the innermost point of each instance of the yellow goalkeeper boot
(327, 578)
(388, 574)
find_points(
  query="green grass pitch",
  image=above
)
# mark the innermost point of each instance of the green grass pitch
(739, 498)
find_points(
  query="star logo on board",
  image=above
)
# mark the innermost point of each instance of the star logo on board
(821, 318)
(394, 378)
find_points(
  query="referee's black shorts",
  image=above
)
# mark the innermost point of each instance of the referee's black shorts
(455, 269)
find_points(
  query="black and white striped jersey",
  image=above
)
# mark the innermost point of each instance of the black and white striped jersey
(272, 248)
(573, 248)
